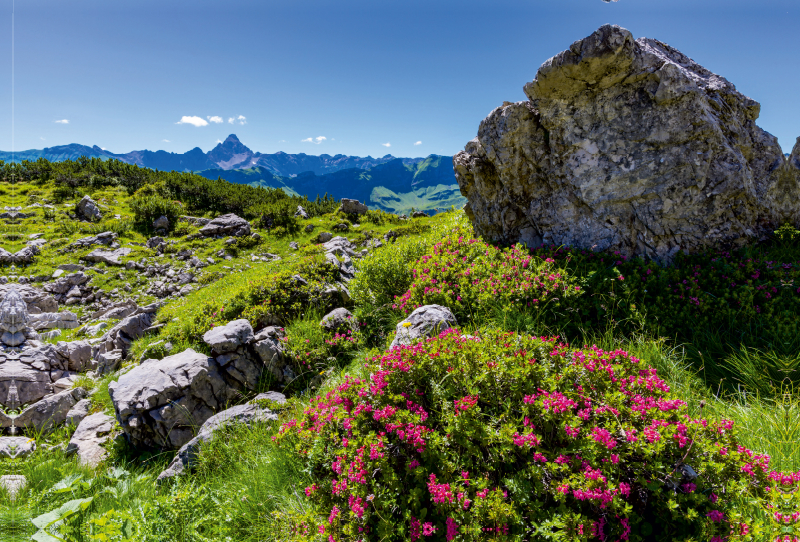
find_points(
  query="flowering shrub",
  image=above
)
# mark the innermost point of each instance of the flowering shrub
(513, 437)
(463, 273)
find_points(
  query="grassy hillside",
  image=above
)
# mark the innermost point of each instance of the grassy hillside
(517, 427)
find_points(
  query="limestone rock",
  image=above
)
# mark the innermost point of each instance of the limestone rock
(125, 332)
(159, 402)
(109, 257)
(228, 338)
(50, 411)
(624, 145)
(92, 432)
(240, 414)
(228, 224)
(301, 213)
(424, 322)
(352, 206)
(338, 321)
(77, 413)
(87, 208)
(324, 237)
(269, 348)
(161, 223)
(13, 484)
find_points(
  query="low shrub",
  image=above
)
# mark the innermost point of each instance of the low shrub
(467, 274)
(513, 437)
(147, 208)
(263, 295)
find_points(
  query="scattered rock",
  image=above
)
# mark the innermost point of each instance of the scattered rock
(228, 224)
(77, 413)
(294, 246)
(230, 337)
(338, 321)
(87, 441)
(352, 206)
(109, 257)
(424, 322)
(88, 209)
(161, 223)
(106, 238)
(309, 228)
(125, 332)
(324, 237)
(50, 411)
(301, 213)
(418, 214)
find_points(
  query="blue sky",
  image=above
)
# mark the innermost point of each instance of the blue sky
(360, 74)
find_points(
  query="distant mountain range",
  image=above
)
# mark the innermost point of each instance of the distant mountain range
(228, 155)
(388, 183)
(396, 186)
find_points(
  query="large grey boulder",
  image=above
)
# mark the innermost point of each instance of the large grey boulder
(352, 206)
(87, 208)
(88, 439)
(107, 238)
(50, 411)
(160, 403)
(246, 414)
(36, 300)
(228, 338)
(339, 252)
(426, 321)
(624, 145)
(229, 224)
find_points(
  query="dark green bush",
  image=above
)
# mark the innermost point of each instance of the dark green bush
(147, 208)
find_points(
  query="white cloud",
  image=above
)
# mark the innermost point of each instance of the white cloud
(230, 120)
(418, 143)
(242, 119)
(315, 140)
(194, 121)
(103, 148)
(166, 141)
(387, 144)
(62, 121)
(215, 119)
(219, 141)
(43, 139)
(282, 141)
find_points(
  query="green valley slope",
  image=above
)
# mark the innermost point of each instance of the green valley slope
(395, 187)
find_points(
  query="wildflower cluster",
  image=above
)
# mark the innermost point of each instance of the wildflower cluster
(516, 437)
(462, 273)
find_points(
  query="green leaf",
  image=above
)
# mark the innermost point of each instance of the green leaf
(62, 512)
(67, 484)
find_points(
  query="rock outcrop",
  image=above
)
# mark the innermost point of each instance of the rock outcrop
(624, 145)
(159, 402)
(229, 224)
(424, 322)
(87, 441)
